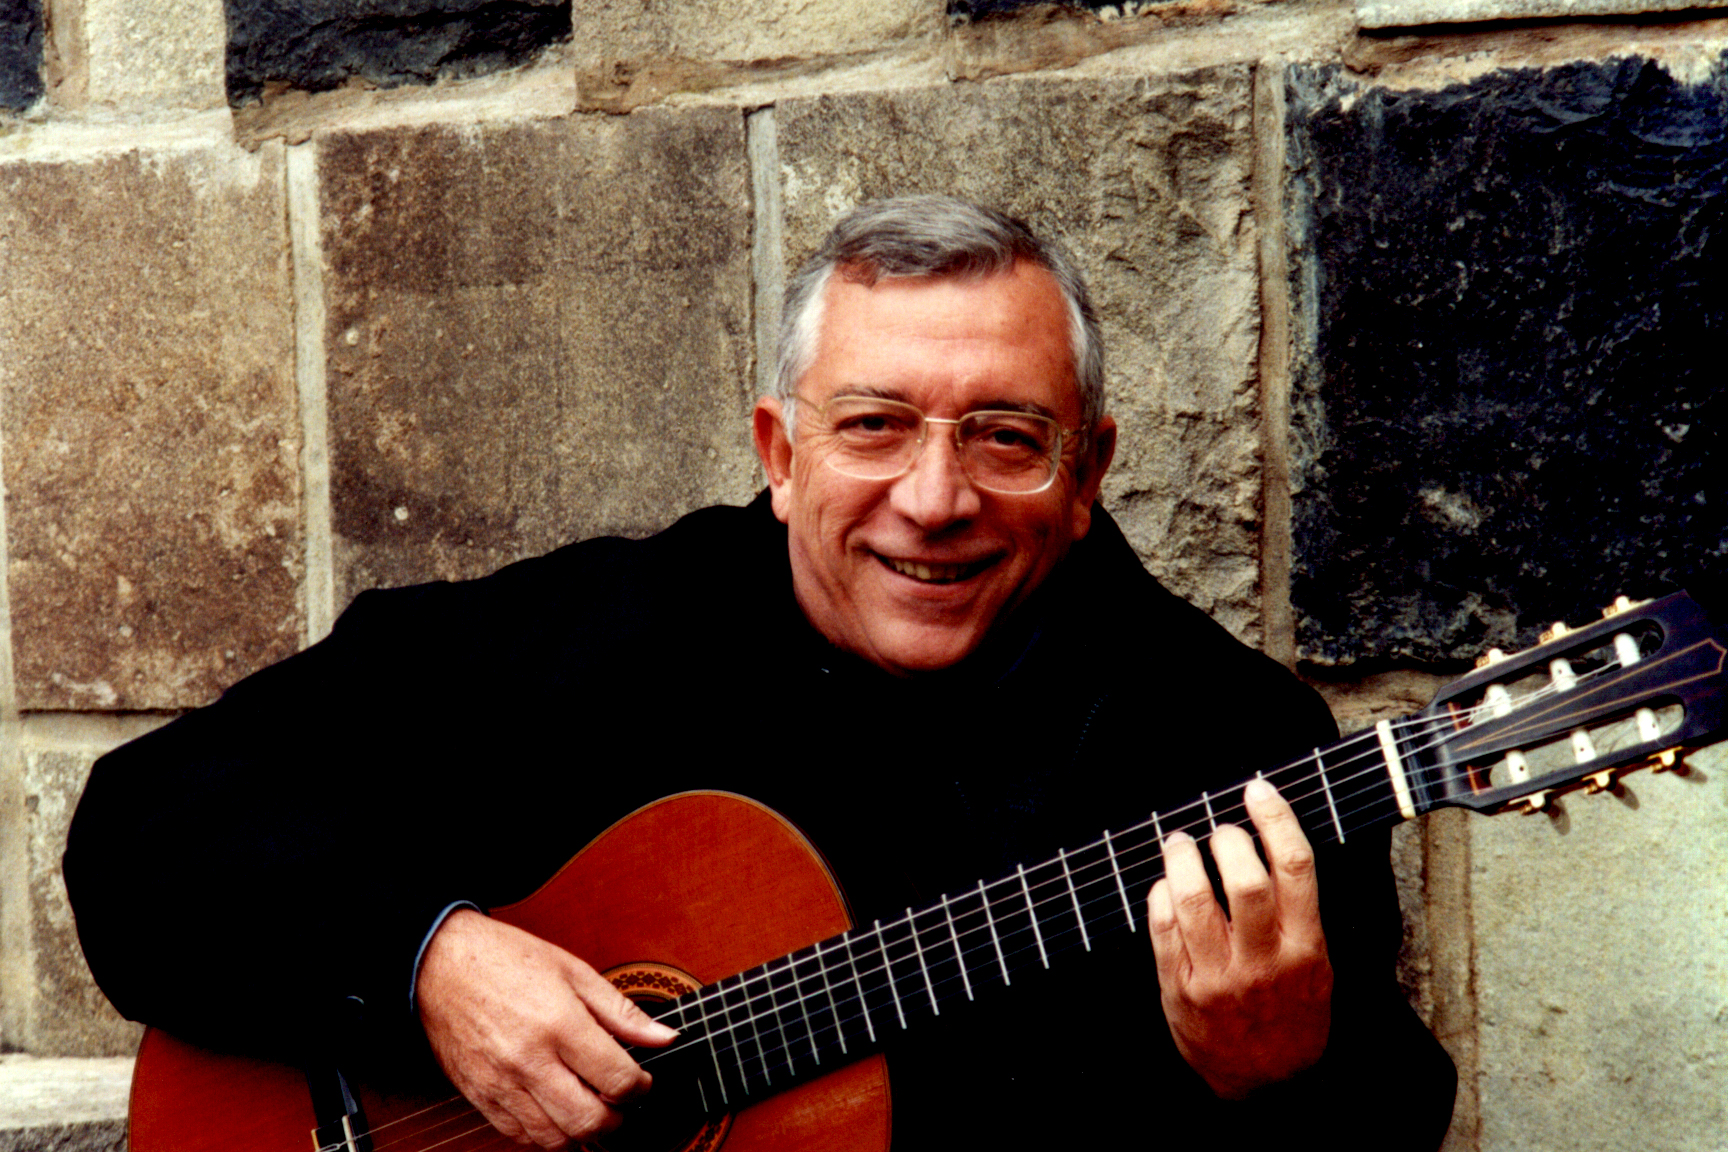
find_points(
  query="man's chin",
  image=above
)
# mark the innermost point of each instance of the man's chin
(923, 650)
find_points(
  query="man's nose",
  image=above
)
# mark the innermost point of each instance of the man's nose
(936, 492)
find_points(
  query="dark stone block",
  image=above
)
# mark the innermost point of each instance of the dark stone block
(319, 44)
(1510, 408)
(20, 53)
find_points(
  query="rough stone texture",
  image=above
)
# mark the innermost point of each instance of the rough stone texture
(1147, 181)
(1411, 13)
(1105, 9)
(63, 1105)
(64, 1013)
(149, 419)
(537, 332)
(162, 54)
(20, 53)
(1508, 404)
(767, 30)
(1602, 969)
(319, 44)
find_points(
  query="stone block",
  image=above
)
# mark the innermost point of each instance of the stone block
(1602, 968)
(151, 437)
(319, 44)
(774, 30)
(1507, 405)
(66, 1105)
(53, 1005)
(20, 53)
(163, 54)
(1147, 182)
(1413, 13)
(537, 332)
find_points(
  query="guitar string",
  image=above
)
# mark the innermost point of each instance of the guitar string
(886, 969)
(1421, 726)
(737, 1026)
(719, 991)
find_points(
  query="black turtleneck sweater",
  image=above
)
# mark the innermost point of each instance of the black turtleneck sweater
(241, 871)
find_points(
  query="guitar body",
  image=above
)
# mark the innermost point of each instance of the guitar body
(681, 893)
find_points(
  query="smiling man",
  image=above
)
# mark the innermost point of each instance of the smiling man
(925, 644)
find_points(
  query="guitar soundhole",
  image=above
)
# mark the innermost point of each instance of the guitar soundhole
(647, 981)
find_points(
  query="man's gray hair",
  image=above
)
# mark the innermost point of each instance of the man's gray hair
(916, 236)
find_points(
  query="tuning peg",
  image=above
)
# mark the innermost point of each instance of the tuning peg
(1533, 803)
(1492, 656)
(1621, 604)
(1598, 782)
(1663, 761)
(1555, 632)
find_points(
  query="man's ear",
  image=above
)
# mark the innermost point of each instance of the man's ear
(774, 447)
(1089, 473)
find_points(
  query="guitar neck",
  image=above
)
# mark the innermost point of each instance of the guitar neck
(762, 1030)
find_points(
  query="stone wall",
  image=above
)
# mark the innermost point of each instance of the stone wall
(1410, 310)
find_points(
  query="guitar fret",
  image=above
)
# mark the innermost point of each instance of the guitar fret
(1206, 799)
(804, 1010)
(918, 946)
(708, 1035)
(984, 899)
(858, 982)
(1121, 889)
(888, 967)
(779, 1013)
(1062, 855)
(1032, 915)
(959, 956)
(833, 1008)
(732, 1039)
(755, 1032)
(1326, 787)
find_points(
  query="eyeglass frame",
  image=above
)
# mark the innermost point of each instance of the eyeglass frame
(1063, 436)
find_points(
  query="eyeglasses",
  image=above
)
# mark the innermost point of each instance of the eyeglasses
(1014, 453)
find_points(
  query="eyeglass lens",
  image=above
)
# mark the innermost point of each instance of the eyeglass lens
(874, 439)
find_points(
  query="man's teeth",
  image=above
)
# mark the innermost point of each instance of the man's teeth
(936, 572)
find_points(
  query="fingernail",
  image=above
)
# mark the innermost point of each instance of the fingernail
(1177, 838)
(661, 1032)
(1258, 789)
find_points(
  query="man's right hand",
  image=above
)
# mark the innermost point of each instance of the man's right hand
(526, 1031)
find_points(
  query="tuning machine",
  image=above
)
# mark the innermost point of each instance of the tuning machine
(1532, 804)
(1666, 761)
(1602, 781)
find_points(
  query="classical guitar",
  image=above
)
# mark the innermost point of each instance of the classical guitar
(739, 938)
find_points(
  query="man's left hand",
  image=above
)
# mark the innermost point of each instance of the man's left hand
(1248, 997)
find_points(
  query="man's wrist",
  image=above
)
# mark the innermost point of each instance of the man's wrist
(425, 943)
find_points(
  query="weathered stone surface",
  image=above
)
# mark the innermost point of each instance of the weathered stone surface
(318, 44)
(59, 1009)
(1508, 404)
(718, 30)
(151, 441)
(163, 54)
(1602, 969)
(1411, 13)
(63, 1105)
(1147, 182)
(20, 53)
(537, 332)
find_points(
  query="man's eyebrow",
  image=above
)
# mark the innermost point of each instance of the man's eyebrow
(874, 392)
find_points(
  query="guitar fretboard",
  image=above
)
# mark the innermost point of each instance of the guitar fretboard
(764, 1029)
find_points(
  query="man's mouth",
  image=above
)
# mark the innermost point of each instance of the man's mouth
(934, 573)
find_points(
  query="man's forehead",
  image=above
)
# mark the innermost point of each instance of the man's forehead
(1002, 337)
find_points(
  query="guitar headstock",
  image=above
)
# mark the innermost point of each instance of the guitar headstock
(1632, 690)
